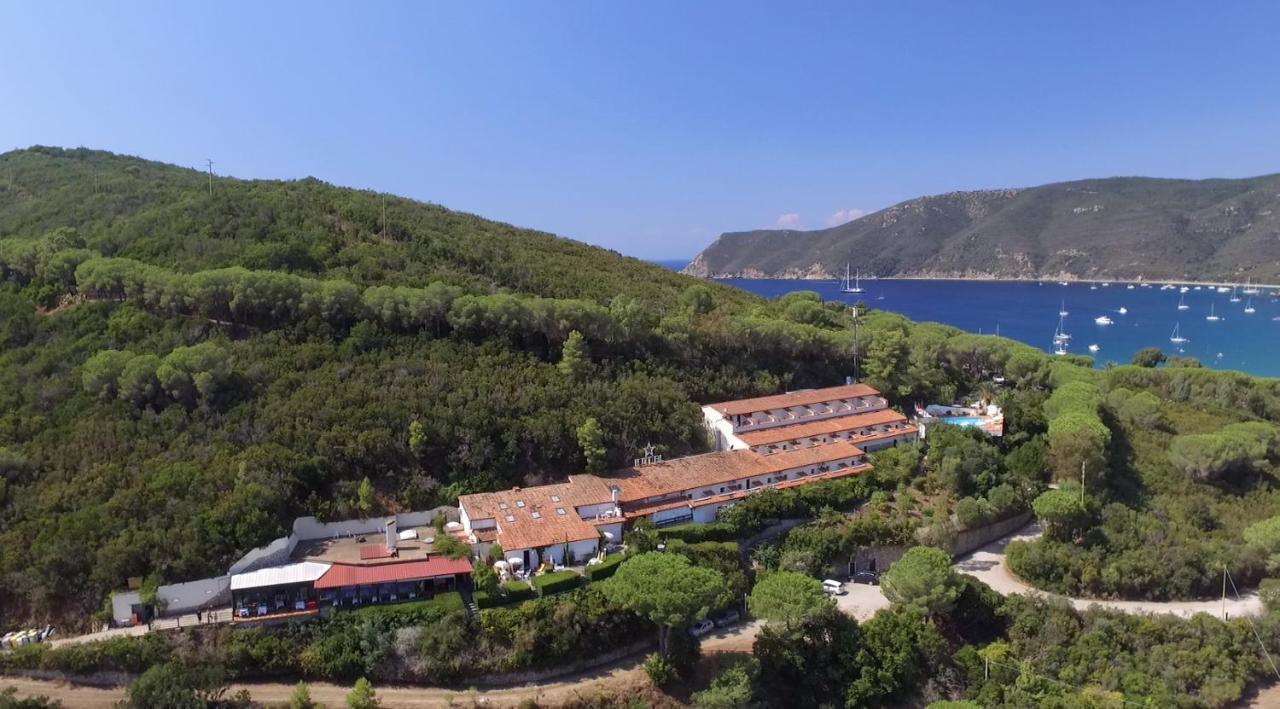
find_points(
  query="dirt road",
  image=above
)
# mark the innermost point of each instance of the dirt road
(622, 678)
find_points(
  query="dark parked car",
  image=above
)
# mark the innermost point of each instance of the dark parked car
(867, 577)
(728, 617)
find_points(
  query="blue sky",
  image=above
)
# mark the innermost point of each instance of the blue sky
(650, 128)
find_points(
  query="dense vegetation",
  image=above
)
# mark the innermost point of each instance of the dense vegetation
(1124, 227)
(183, 370)
(1178, 462)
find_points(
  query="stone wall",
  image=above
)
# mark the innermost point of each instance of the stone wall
(961, 543)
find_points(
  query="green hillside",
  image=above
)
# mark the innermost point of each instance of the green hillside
(1118, 228)
(184, 370)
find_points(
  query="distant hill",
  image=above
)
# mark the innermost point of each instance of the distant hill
(1118, 228)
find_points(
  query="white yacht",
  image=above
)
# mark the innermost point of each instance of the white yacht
(1248, 307)
(1177, 338)
(1182, 303)
(1212, 316)
(1123, 310)
(1103, 320)
(1094, 348)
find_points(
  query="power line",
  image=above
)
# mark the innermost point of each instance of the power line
(1252, 626)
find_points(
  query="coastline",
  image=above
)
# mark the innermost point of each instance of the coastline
(1016, 279)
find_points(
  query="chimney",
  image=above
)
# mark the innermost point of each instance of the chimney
(392, 536)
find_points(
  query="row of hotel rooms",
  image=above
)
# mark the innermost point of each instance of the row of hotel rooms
(768, 442)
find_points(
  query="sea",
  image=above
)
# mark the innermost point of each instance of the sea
(1027, 311)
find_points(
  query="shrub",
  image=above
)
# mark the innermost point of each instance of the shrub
(556, 582)
(517, 591)
(660, 671)
(606, 568)
(694, 533)
(1269, 593)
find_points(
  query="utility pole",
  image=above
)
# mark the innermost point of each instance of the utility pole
(857, 375)
(1082, 484)
(1224, 591)
(384, 216)
(209, 164)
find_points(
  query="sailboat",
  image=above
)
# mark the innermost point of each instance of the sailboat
(1182, 303)
(845, 287)
(1062, 310)
(1060, 335)
(1177, 338)
(1212, 316)
(1249, 288)
(1248, 307)
(1235, 297)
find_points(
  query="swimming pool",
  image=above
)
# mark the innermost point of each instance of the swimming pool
(963, 420)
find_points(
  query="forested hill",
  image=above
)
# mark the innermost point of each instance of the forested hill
(185, 369)
(1117, 228)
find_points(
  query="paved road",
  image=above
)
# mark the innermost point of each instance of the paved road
(988, 565)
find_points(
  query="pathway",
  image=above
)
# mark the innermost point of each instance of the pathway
(220, 615)
(988, 565)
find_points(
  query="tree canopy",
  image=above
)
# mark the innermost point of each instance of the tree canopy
(922, 580)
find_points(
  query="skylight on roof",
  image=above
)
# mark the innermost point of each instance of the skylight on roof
(502, 505)
(511, 518)
(536, 515)
(560, 511)
(555, 498)
(520, 504)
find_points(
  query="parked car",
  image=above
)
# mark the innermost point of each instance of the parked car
(833, 587)
(701, 628)
(867, 577)
(728, 617)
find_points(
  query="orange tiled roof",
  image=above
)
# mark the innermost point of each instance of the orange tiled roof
(579, 491)
(821, 427)
(796, 398)
(540, 516)
(695, 471)
(648, 509)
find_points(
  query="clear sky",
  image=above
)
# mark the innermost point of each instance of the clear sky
(652, 127)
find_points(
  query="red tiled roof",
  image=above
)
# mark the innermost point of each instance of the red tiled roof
(821, 427)
(340, 575)
(690, 473)
(794, 398)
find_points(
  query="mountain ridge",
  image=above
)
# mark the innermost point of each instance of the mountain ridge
(1121, 228)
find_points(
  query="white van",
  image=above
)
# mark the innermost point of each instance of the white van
(833, 587)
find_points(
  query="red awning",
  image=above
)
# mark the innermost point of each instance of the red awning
(340, 575)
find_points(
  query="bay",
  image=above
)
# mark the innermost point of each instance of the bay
(1028, 312)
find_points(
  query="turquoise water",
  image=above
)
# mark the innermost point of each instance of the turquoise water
(1028, 312)
(963, 420)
